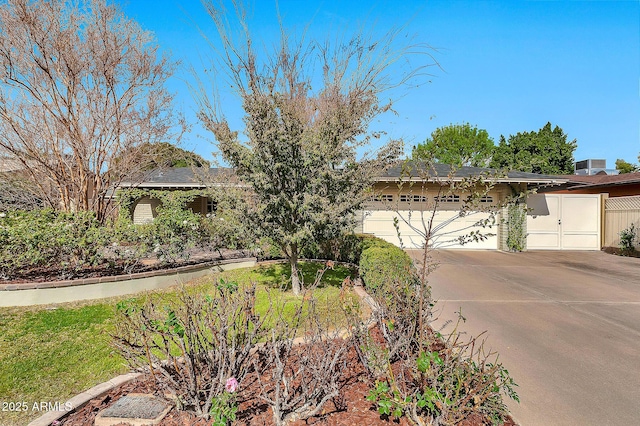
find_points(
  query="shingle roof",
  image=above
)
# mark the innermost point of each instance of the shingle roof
(410, 169)
(180, 177)
(196, 178)
(593, 181)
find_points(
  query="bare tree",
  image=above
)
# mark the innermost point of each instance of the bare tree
(308, 108)
(80, 84)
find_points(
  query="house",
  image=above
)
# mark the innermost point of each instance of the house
(143, 210)
(418, 194)
(572, 221)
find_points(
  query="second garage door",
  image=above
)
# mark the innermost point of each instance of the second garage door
(563, 221)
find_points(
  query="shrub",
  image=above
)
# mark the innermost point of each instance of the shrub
(417, 373)
(445, 386)
(176, 228)
(381, 266)
(49, 239)
(347, 248)
(297, 381)
(193, 347)
(225, 230)
(266, 249)
(202, 348)
(517, 227)
(627, 239)
(173, 232)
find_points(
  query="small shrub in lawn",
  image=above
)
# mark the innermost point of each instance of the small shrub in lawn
(382, 266)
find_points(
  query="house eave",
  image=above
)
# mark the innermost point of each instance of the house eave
(166, 185)
(603, 185)
(385, 179)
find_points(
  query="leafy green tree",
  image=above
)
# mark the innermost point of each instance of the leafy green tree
(545, 151)
(149, 156)
(625, 167)
(457, 145)
(308, 107)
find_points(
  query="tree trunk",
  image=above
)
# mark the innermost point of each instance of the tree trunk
(293, 261)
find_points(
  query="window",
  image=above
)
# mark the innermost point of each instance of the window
(405, 198)
(486, 199)
(211, 205)
(384, 198)
(448, 199)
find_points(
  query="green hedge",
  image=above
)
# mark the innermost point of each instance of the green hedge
(46, 238)
(379, 261)
(381, 266)
(347, 248)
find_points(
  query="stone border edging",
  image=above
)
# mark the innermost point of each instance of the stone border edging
(81, 399)
(115, 278)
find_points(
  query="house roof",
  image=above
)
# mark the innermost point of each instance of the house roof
(180, 177)
(187, 177)
(8, 164)
(436, 172)
(599, 181)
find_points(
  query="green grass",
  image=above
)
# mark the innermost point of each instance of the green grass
(49, 355)
(277, 274)
(52, 353)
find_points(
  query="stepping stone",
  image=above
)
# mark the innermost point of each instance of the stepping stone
(135, 409)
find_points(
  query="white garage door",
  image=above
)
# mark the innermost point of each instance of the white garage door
(449, 228)
(563, 222)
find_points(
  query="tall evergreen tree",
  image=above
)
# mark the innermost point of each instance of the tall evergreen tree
(545, 151)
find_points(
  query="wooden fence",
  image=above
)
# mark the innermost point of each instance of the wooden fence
(619, 214)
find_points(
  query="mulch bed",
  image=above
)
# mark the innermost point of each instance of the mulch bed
(619, 252)
(46, 274)
(349, 408)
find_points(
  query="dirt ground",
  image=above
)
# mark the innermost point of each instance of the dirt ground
(349, 408)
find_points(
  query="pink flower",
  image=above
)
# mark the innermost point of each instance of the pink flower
(231, 385)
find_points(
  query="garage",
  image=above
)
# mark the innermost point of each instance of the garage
(564, 222)
(449, 227)
(404, 198)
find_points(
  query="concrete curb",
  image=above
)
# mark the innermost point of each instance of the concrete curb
(81, 399)
(120, 285)
(115, 278)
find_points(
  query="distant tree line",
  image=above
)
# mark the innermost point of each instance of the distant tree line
(545, 151)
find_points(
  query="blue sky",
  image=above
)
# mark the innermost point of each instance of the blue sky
(506, 66)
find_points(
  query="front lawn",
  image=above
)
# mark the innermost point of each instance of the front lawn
(50, 354)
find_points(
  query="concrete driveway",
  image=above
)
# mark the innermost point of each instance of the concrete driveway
(566, 325)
